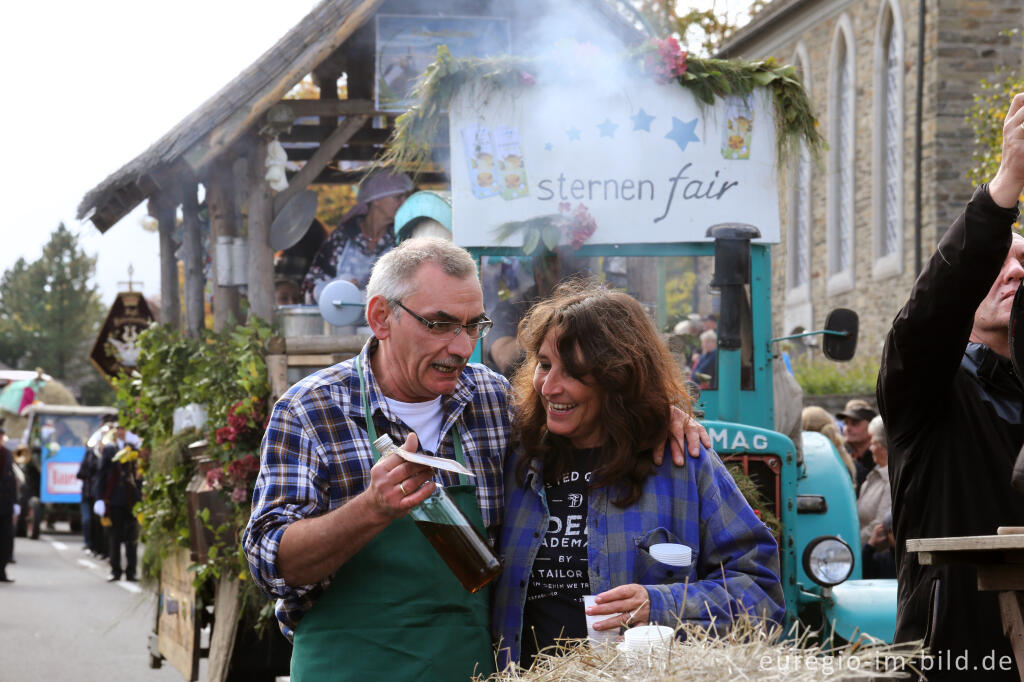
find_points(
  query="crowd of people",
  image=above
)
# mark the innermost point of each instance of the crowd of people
(111, 486)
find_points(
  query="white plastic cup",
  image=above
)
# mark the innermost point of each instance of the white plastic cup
(597, 635)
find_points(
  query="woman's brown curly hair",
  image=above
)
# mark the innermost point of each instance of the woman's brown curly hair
(606, 338)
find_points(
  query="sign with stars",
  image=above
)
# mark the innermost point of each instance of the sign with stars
(650, 163)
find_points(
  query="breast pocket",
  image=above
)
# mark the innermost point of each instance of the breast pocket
(650, 571)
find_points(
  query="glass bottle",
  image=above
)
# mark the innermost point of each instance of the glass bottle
(453, 536)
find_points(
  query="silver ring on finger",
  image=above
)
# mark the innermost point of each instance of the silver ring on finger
(401, 486)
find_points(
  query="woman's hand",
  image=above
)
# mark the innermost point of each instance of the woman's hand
(630, 604)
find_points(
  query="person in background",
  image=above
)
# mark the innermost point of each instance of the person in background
(875, 500)
(855, 418)
(88, 469)
(120, 486)
(549, 268)
(818, 419)
(706, 363)
(364, 234)
(8, 505)
(584, 502)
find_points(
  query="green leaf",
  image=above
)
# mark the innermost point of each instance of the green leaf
(531, 238)
(551, 236)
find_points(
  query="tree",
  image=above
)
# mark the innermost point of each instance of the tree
(49, 311)
(711, 28)
(986, 117)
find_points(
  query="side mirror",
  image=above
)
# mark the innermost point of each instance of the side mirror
(840, 341)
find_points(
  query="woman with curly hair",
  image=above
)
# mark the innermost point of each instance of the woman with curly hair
(585, 503)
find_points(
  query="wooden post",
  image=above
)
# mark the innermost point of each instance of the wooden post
(193, 248)
(220, 202)
(261, 256)
(164, 209)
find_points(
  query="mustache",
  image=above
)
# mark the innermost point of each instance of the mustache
(453, 362)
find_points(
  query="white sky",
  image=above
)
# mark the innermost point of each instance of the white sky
(89, 85)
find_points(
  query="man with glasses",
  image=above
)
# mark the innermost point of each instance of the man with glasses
(359, 589)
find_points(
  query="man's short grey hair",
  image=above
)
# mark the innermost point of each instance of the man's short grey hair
(393, 275)
(709, 335)
(876, 428)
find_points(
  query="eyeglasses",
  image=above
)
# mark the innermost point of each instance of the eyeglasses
(449, 330)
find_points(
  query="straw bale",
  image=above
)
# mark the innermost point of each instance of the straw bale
(750, 651)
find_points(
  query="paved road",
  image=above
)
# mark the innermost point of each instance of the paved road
(61, 620)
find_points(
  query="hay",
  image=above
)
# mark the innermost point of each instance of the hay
(750, 651)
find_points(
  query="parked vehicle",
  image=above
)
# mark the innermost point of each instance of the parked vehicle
(48, 457)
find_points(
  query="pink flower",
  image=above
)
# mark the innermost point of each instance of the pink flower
(667, 62)
(527, 78)
(239, 495)
(252, 463)
(564, 206)
(215, 478)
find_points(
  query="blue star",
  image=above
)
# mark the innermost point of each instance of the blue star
(573, 133)
(682, 133)
(548, 146)
(642, 120)
(607, 128)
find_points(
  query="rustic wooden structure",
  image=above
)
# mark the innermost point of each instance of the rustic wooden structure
(999, 560)
(222, 144)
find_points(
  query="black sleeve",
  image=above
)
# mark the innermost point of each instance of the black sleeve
(929, 334)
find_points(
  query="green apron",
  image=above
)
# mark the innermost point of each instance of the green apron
(395, 610)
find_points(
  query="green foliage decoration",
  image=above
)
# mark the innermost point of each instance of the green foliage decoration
(417, 129)
(226, 373)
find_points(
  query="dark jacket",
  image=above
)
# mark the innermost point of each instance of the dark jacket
(8, 483)
(88, 470)
(119, 481)
(953, 415)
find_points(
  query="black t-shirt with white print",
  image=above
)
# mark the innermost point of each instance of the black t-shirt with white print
(559, 579)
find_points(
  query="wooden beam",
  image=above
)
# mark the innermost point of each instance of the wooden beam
(331, 176)
(220, 202)
(261, 256)
(194, 310)
(337, 107)
(320, 159)
(212, 145)
(165, 209)
(313, 133)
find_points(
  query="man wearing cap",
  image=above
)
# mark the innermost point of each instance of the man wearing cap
(359, 590)
(953, 409)
(364, 234)
(855, 417)
(8, 500)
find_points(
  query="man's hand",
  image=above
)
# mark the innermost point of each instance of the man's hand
(1006, 187)
(879, 538)
(396, 486)
(684, 434)
(630, 604)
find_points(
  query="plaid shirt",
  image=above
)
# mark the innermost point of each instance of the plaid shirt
(316, 456)
(324, 267)
(697, 505)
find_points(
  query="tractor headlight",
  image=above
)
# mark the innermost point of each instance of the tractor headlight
(828, 560)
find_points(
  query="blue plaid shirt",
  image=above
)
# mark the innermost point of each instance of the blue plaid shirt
(316, 456)
(697, 505)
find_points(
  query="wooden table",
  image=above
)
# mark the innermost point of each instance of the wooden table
(1000, 563)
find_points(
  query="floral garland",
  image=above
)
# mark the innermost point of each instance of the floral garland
(664, 60)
